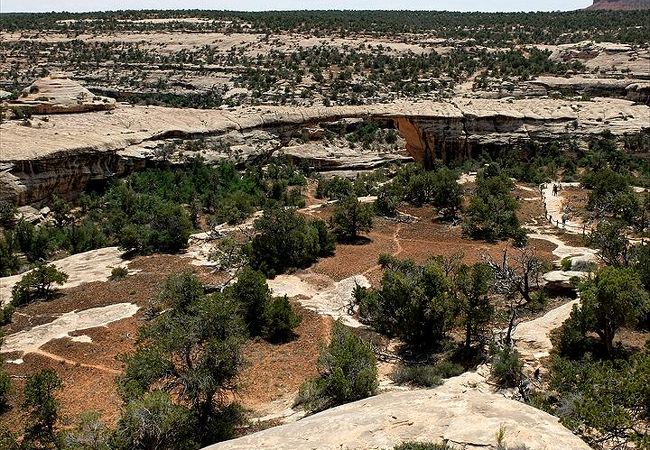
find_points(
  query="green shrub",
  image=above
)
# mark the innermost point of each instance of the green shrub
(9, 262)
(43, 410)
(347, 372)
(426, 375)
(326, 239)
(37, 284)
(5, 387)
(253, 294)
(192, 351)
(414, 303)
(603, 400)
(118, 273)
(351, 217)
(335, 188)
(507, 367)
(614, 298)
(566, 264)
(419, 375)
(155, 422)
(280, 319)
(6, 313)
(285, 239)
(491, 214)
(90, 433)
(388, 199)
(422, 446)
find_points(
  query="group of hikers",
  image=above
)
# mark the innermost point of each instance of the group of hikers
(556, 188)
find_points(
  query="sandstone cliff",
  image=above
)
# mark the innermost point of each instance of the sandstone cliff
(66, 152)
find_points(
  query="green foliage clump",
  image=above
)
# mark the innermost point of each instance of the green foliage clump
(154, 421)
(118, 273)
(351, 217)
(90, 433)
(640, 262)
(611, 193)
(5, 384)
(507, 367)
(426, 375)
(347, 372)
(609, 237)
(252, 292)
(473, 284)
(6, 313)
(193, 351)
(273, 318)
(614, 298)
(280, 319)
(43, 411)
(609, 397)
(37, 284)
(286, 239)
(9, 262)
(388, 199)
(438, 188)
(414, 303)
(566, 264)
(34, 242)
(491, 214)
(335, 188)
(421, 446)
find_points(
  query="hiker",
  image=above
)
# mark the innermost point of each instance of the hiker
(554, 189)
(564, 218)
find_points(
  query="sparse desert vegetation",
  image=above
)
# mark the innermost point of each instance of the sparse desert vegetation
(213, 223)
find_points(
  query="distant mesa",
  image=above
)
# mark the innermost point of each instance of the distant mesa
(56, 94)
(621, 5)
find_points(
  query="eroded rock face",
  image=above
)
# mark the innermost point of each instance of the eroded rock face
(62, 155)
(57, 95)
(632, 89)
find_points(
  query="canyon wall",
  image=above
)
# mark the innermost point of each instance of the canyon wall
(63, 154)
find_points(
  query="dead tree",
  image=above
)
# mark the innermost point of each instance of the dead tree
(514, 281)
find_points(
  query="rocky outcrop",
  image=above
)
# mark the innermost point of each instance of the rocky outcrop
(635, 90)
(65, 153)
(321, 158)
(58, 95)
(29, 181)
(481, 124)
(639, 92)
(607, 59)
(458, 412)
(622, 5)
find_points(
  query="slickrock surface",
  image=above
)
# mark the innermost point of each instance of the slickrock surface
(320, 293)
(57, 95)
(93, 265)
(449, 413)
(32, 339)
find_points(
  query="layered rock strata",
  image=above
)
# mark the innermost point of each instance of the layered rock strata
(59, 95)
(66, 152)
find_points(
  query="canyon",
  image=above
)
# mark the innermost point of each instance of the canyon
(64, 154)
